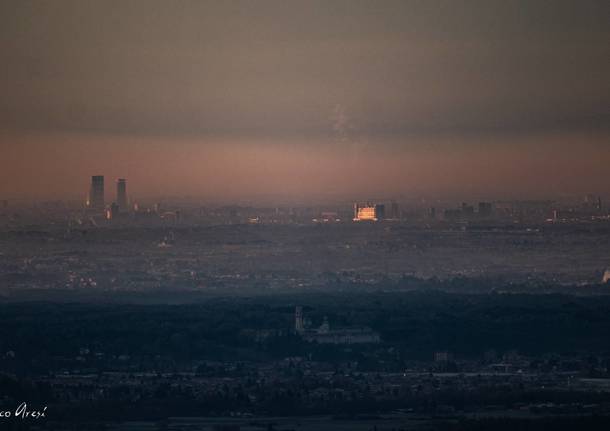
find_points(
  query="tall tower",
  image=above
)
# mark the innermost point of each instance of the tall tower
(298, 320)
(96, 192)
(606, 277)
(121, 194)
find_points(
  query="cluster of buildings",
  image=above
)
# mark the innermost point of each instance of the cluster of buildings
(369, 212)
(325, 335)
(96, 198)
(535, 211)
(531, 211)
(377, 212)
(520, 385)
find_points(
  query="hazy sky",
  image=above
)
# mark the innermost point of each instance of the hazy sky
(231, 99)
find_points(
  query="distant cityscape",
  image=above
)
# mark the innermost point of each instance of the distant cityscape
(122, 208)
(387, 313)
(364, 241)
(313, 215)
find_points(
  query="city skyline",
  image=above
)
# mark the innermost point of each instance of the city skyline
(304, 215)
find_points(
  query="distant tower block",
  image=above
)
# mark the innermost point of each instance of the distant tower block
(606, 277)
(121, 194)
(298, 320)
(96, 192)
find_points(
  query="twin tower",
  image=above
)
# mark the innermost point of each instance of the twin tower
(96, 193)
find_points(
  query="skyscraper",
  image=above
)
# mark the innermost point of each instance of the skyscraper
(298, 320)
(121, 194)
(96, 192)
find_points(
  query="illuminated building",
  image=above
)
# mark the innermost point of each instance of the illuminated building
(121, 194)
(369, 212)
(112, 212)
(96, 193)
(555, 215)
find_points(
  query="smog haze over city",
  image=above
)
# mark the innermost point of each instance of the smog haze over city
(229, 100)
(304, 215)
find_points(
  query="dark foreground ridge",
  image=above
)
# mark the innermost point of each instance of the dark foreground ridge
(444, 361)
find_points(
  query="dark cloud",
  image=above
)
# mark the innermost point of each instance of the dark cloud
(280, 68)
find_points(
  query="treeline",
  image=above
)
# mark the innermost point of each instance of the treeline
(260, 328)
